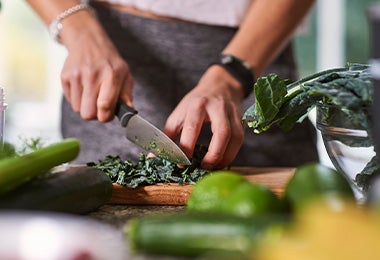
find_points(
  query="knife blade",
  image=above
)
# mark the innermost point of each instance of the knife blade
(144, 134)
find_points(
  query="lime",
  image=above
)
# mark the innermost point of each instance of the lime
(249, 199)
(314, 181)
(210, 191)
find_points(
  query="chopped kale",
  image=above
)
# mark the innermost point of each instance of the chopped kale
(150, 170)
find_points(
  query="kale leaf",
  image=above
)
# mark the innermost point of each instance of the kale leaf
(284, 104)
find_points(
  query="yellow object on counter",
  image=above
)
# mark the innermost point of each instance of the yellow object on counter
(327, 230)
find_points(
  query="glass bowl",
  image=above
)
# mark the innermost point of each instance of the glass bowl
(348, 144)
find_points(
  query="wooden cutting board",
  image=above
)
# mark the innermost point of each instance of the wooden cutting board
(174, 194)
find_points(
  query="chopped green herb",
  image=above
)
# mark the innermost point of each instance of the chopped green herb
(152, 170)
(152, 145)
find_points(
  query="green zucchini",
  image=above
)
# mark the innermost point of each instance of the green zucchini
(77, 190)
(17, 170)
(192, 234)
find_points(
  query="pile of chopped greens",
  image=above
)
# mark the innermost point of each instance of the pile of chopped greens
(282, 103)
(150, 170)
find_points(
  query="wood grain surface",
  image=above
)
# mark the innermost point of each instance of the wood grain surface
(174, 194)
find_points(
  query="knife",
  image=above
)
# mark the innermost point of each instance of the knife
(144, 134)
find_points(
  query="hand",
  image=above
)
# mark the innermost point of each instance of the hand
(216, 99)
(94, 75)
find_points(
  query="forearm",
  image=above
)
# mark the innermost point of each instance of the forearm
(73, 27)
(49, 9)
(266, 29)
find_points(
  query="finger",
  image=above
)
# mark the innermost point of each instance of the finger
(126, 91)
(65, 82)
(76, 93)
(151, 155)
(90, 92)
(174, 125)
(66, 89)
(221, 135)
(192, 127)
(234, 144)
(110, 87)
(106, 102)
(217, 148)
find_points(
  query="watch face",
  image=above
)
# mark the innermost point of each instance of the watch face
(225, 59)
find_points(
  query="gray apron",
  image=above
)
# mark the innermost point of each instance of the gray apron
(167, 58)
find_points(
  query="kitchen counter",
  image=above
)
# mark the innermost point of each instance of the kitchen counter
(117, 215)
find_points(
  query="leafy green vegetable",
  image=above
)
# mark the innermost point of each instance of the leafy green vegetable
(284, 104)
(349, 88)
(152, 170)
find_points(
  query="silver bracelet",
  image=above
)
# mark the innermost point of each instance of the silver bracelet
(56, 26)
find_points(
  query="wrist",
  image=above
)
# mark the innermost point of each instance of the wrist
(224, 81)
(238, 69)
(74, 34)
(56, 25)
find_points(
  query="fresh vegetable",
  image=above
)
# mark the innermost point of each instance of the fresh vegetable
(17, 170)
(280, 103)
(196, 234)
(150, 170)
(76, 190)
(283, 104)
(214, 234)
(250, 199)
(313, 181)
(228, 192)
(209, 193)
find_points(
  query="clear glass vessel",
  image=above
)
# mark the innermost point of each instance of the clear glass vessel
(349, 146)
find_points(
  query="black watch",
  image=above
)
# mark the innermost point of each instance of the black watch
(239, 69)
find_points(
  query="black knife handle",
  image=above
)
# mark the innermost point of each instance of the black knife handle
(124, 112)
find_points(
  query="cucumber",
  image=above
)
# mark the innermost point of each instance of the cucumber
(192, 234)
(17, 170)
(77, 190)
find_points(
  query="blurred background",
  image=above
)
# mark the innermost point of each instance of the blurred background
(335, 32)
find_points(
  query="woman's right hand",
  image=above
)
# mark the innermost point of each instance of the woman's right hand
(94, 74)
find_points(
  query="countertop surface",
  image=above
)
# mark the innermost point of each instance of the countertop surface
(118, 215)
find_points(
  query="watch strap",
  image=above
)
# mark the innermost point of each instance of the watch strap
(240, 70)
